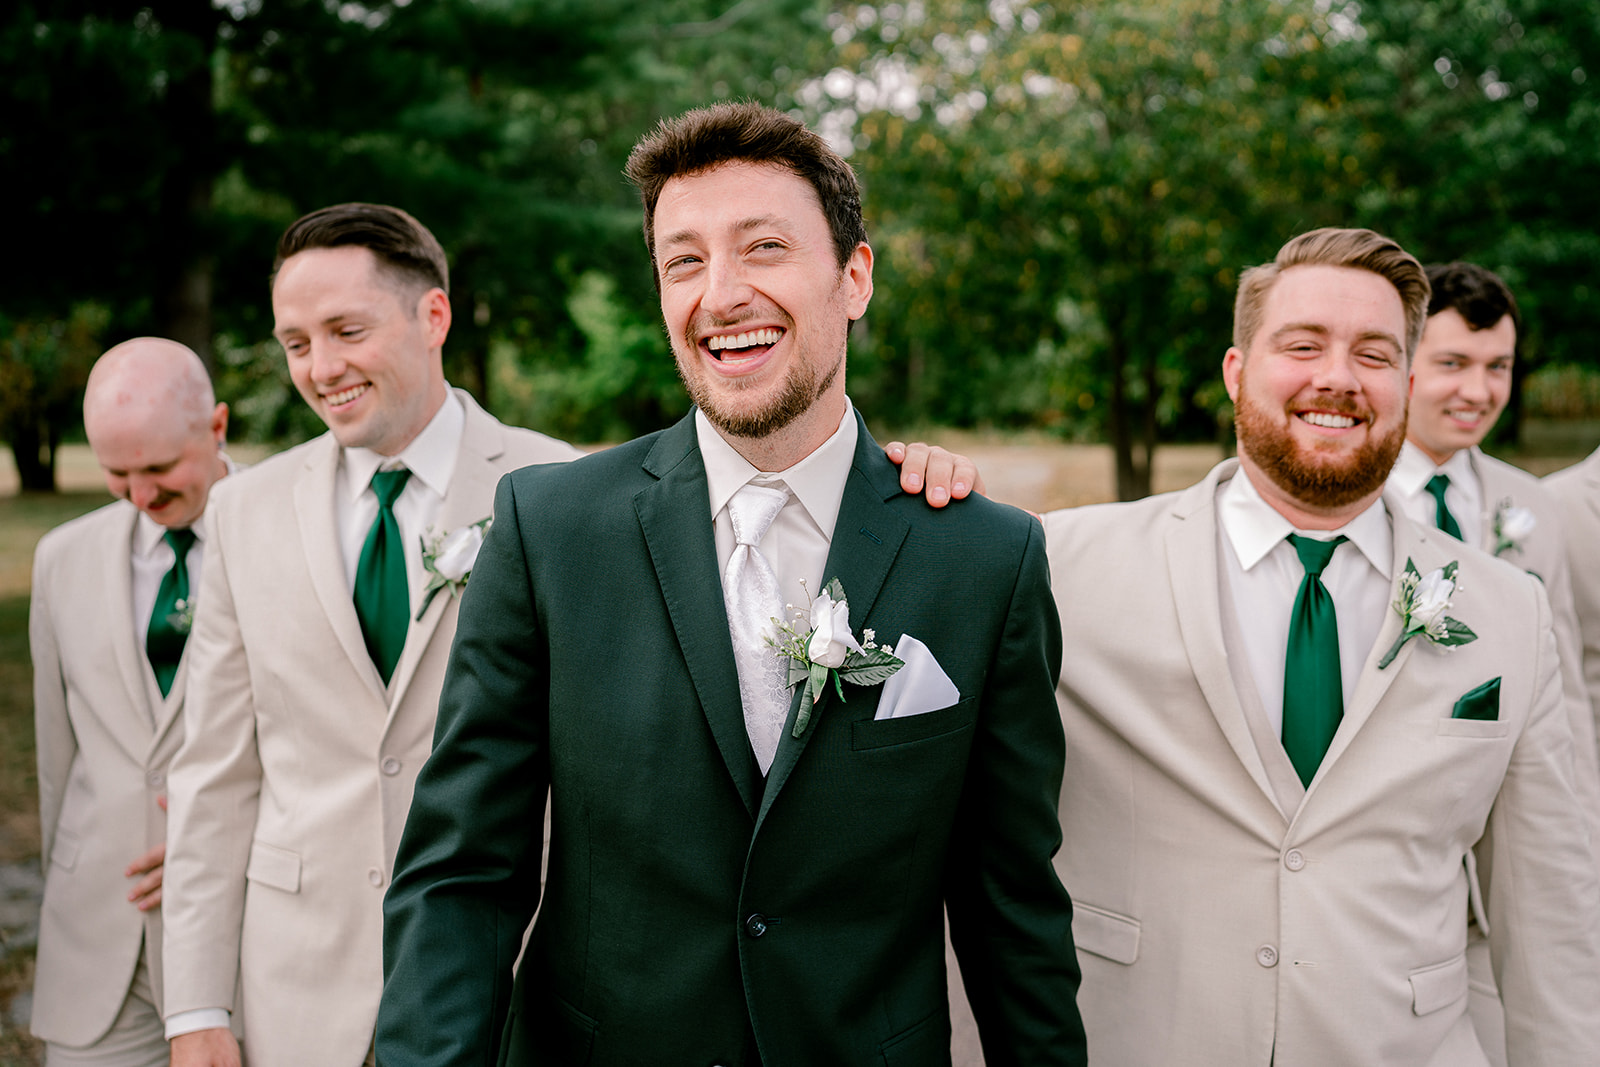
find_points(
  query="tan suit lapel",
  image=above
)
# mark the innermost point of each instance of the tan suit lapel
(1196, 592)
(468, 499)
(127, 640)
(319, 534)
(1426, 548)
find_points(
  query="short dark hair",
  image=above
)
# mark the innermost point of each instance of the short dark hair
(1333, 247)
(698, 140)
(1475, 292)
(406, 252)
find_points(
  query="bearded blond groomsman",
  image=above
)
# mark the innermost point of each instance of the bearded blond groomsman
(1279, 796)
(112, 596)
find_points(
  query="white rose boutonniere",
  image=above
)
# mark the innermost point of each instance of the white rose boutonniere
(182, 617)
(1512, 525)
(827, 647)
(1421, 606)
(448, 559)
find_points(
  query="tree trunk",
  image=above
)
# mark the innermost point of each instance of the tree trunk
(1133, 476)
(33, 447)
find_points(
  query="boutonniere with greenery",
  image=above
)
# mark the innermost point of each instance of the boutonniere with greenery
(1512, 525)
(182, 617)
(448, 559)
(825, 648)
(1421, 605)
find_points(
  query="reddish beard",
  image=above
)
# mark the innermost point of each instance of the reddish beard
(1321, 478)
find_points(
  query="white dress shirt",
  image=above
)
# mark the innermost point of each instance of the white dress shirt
(1408, 482)
(1263, 575)
(431, 458)
(796, 544)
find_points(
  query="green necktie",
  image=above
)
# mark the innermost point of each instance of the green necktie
(383, 603)
(1441, 512)
(169, 619)
(1313, 690)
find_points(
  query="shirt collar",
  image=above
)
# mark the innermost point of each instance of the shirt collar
(1255, 527)
(817, 481)
(148, 535)
(1414, 468)
(430, 457)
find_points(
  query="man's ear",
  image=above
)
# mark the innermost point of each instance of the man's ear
(1232, 371)
(858, 281)
(433, 310)
(219, 424)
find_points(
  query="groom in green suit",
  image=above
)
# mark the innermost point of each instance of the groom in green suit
(738, 874)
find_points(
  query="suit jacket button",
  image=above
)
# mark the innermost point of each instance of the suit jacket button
(1267, 956)
(756, 925)
(1294, 859)
(391, 765)
(155, 779)
(375, 876)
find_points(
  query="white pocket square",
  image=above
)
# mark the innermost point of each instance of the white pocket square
(917, 688)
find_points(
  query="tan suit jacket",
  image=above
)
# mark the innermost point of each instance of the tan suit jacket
(1223, 917)
(105, 736)
(1577, 491)
(288, 799)
(1545, 553)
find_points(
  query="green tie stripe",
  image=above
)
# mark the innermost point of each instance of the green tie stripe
(1441, 512)
(1313, 687)
(166, 635)
(383, 602)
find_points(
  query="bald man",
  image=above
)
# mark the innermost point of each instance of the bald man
(112, 601)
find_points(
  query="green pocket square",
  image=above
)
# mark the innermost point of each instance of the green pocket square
(1482, 703)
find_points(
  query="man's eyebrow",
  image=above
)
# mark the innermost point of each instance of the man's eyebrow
(1322, 331)
(754, 222)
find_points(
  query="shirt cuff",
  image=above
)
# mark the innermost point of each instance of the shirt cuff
(187, 1022)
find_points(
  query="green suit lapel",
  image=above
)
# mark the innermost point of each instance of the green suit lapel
(674, 515)
(866, 539)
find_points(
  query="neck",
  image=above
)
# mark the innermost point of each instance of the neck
(1303, 514)
(782, 449)
(1439, 458)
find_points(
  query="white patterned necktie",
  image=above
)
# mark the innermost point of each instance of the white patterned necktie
(750, 591)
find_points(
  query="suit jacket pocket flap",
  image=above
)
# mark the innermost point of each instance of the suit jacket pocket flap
(1482, 703)
(1438, 986)
(1105, 933)
(277, 867)
(883, 733)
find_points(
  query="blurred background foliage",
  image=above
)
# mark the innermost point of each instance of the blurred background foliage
(1060, 196)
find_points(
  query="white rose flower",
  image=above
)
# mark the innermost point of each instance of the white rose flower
(1431, 598)
(458, 552)
(1516, 524)
(831, 640)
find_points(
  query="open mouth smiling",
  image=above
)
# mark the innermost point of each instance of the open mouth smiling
(1328, 420)
(737, 347)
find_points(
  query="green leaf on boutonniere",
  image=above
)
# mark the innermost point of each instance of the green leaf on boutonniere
(1421, 604)
(872, 667)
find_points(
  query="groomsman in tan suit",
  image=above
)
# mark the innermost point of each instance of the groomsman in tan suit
(1460, 383)
(328, 609)
(1577, 491)
(1279, 796)
(112, 592)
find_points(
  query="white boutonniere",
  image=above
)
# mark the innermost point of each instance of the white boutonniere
(1512, 525)
(825, 647)
(1421, 605)
(182, 617)
(448, 559)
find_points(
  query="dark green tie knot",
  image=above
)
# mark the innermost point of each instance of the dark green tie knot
(388, 485)
(1442, 517)
(181, 540)
(1315, 554)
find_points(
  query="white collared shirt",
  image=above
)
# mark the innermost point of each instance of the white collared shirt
(797, 542)
(1408, 483)
(1263, 575)
(431, 458)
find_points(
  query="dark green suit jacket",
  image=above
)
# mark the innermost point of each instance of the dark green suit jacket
(692, 913)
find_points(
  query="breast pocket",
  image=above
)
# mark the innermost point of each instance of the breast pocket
(1487, 728)
(889, 733)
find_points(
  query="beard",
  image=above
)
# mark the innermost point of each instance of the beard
(1316, 477)
(801, 387)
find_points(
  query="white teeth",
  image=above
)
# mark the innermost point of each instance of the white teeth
(1465, 416)
(1332, 422)
(347, 395)
(748, 339)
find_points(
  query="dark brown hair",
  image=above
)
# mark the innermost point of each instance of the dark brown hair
(698, 140)
(1475, 292)
(1330, 247)
(407, 253)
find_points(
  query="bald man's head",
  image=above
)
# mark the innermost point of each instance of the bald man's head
(156, 428)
